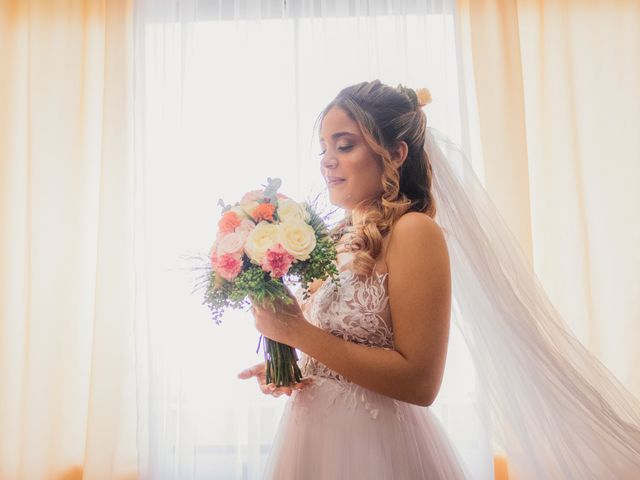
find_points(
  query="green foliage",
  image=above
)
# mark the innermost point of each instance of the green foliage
(224, 207)
(320, 265)
(316, 221)
(271, 189)
(251, 283)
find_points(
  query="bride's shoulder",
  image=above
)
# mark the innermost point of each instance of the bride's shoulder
(416, 234)
(412, 223)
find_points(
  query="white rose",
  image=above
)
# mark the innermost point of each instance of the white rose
(260, 239)
(290, 211)
(248, 207)
(252, 195)
(232, 242)
(239, 211)
(298, 238)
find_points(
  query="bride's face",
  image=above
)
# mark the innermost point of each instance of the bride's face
(349, 167)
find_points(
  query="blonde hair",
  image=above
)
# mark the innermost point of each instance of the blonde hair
(386, 116)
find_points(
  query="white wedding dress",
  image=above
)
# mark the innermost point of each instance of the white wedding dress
(547, 401)
(336, 429)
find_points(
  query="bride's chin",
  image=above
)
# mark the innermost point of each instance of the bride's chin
(335, 200)
(339, 202)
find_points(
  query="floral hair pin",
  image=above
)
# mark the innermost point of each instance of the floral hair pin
(420, 97)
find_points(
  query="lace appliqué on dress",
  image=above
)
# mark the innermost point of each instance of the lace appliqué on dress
(357, 311)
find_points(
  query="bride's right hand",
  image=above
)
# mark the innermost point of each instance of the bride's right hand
(270, 389)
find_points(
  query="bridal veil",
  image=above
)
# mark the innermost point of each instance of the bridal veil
(553, 407)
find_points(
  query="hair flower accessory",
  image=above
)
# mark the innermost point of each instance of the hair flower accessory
(420, 97)
(424, 96)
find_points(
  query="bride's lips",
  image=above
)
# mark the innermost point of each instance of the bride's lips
(333, 181)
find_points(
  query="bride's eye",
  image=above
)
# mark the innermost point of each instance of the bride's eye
(342, 148)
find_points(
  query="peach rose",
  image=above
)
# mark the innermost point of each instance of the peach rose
(245, 225)
(232, 243)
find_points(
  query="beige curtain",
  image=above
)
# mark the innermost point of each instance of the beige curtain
(559, 113)
(67, 400)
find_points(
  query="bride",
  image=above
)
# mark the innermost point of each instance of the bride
(421, 244)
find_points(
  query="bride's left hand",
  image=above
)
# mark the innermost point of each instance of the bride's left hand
(283, 323)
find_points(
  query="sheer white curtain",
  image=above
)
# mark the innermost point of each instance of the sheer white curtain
(226, 95)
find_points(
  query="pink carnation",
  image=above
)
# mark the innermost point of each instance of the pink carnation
(277, 261)
(228, 266)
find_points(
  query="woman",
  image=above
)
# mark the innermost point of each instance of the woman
(375, 348)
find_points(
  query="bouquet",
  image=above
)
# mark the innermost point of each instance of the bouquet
(263, 240)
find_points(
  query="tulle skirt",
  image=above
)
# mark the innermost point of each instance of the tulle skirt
(339, 430)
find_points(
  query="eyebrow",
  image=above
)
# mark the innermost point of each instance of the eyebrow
(340, 134)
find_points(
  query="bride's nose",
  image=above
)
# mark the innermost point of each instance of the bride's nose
(328, 162)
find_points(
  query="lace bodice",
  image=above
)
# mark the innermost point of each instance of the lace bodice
(356, 310)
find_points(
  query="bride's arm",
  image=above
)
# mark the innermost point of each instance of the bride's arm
(420, 301)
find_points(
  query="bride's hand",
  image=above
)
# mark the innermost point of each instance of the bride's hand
(282, 323)
(270, 389)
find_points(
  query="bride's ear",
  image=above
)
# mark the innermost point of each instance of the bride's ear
(399, 153)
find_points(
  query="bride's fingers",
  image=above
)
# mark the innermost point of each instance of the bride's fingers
(305, 382)
(271, 389)
(280, 390)
(258, 371)
(254, 371)
(296, 386)
(266, 389)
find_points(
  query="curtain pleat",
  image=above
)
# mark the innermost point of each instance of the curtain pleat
(67, 400)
